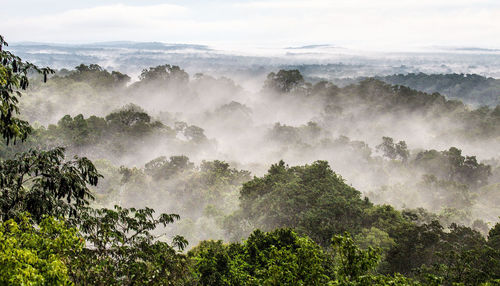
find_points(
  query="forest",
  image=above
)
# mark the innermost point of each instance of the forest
(178, 179)
(469, 88)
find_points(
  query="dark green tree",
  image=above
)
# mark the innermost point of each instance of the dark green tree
(125, 250)
(39, 182)
(311, 198)
(164, 73)
(451, 165)
(42, 183)
(280, 257)
(284, 81)
(97, 77)
(13, 79)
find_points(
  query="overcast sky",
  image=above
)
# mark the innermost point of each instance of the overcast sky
(363, 24)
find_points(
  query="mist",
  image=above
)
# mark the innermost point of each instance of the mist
(250, 142)
(166, 116)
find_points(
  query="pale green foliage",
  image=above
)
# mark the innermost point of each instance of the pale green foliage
(36, 255)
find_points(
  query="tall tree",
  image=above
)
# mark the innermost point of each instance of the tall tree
(14, 78)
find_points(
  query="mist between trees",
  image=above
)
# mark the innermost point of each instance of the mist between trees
(299, 183)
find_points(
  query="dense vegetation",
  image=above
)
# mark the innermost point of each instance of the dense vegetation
(105, 221)
(469, 88)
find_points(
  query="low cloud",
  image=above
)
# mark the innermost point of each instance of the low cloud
(386, 24)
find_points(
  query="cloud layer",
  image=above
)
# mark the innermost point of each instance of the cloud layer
(364, 24)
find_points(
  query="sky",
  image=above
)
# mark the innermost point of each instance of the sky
(361, 24)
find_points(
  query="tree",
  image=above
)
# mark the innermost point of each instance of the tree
(311, 198)
(280, 257)
(161, 168)
(451, 165)
(75, 130)
(32, 255)
(462, 256)
(96, 76)
(392, 150)
(131, 120)
(403, 258)
(354, 266)
(195, 134)
(388, 148)
(13, 78)
(402, 151)
(284, 81)
(164, 73)
(122, 249)
(127, 117)
(41, 183)
(352, 262)
(494, 237)
(125, 251)
(447, 193)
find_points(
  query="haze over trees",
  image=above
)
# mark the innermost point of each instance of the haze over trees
(469, 88)
(180, 180)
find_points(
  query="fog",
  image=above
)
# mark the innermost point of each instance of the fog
(250, 123)
(242, 63)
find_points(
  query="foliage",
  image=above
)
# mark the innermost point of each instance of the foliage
(393, 150)
(120, 130)
(208, 183)
(284, 81)
(425, 238)
(353, 262)
(41, 183)
(470, 88)
(494, 237)
(304, 134)
(163, 77)
(32, 255)
(311, 198)
(14, 77)
(374, 237)
(354, 266)
(127, 246)
(202, 194)
(131, 120)
(447, 193)
(280, 257)
(163, 168)
(461, 255)
(123, 250)
(97, 76)
(451, 165)
(464, 257)
(375, 99)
